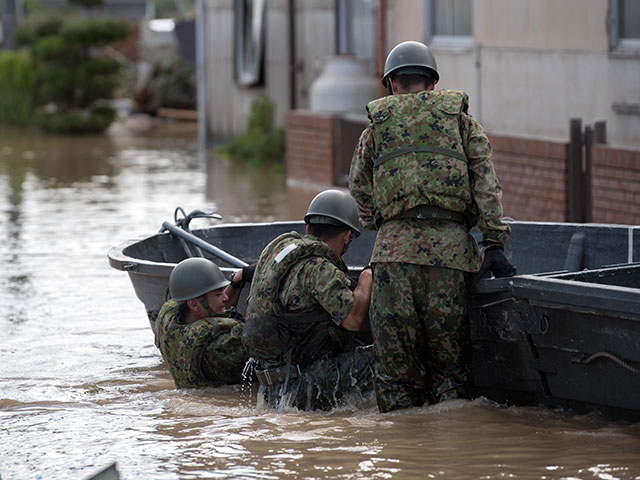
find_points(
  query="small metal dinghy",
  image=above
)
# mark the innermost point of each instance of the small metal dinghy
(564, 333)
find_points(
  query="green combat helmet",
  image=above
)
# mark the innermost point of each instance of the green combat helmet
(193, 277)
(334, 207)
(410, 58)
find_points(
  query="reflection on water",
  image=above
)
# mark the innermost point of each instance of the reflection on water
(82, 386)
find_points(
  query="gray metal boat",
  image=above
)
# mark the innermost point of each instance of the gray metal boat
(563, 333)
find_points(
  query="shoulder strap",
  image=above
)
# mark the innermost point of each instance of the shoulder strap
(415, 149)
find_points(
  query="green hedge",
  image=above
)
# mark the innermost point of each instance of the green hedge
(74, 79)
(261, 143)
(96, 120)
(17, 86)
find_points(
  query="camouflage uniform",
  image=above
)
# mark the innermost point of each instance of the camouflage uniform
(424, 149)
(300, 293)
(206, 352)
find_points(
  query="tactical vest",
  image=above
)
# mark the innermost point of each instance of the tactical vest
(419, 152)
(183, 344)
(269, 331)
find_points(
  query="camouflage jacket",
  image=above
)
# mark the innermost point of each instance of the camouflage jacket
(206, 352)
(300, 293)
(424, 148)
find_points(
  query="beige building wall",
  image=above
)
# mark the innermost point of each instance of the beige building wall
(535, 64)
(406, 20)
(531, 66)
(229, 104)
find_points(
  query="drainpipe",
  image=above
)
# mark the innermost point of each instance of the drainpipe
(9, 23)
(478, 82)
(201, 77)
(381, 42)
(292, 55)
(149, 9)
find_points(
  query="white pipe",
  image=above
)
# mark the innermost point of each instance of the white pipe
(201, 77)
(478, 86)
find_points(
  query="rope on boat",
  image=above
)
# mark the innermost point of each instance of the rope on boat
(615, 358)
(186, 218)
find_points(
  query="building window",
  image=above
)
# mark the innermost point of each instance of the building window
(249, 42)
(449, 22)
(625, 24)
(356, 29)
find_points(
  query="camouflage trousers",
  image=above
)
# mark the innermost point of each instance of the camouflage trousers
(327, 383)
(421, 335)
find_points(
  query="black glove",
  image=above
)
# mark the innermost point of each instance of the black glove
(496, 263)
(247, 272)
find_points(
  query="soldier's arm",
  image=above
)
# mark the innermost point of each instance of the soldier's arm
(238, 281)
(361, 179)
(485, 186)
(361, 301)
(329, 286)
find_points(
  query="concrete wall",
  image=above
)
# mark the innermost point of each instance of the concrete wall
(539, 66)
(541, 62)
(315, 41)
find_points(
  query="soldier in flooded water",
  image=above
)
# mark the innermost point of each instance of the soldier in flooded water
(198, 336)
(302, 306)
(422, 175)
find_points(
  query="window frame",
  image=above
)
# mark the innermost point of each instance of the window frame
(345, 42)
(616, 41)
(249, 74)
(455, 42)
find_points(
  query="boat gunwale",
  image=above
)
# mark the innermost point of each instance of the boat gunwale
(121, 261)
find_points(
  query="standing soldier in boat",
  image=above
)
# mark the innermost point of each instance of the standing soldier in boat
(302, 306)
(422, 175)
(199, 338)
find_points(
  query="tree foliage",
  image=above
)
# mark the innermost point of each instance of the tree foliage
(74, 79)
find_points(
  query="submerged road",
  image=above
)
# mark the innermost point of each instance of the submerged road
(83, 386)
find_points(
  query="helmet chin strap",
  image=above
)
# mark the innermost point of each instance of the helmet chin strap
(205, 304)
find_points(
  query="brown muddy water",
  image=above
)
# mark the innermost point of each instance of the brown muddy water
(82, 385)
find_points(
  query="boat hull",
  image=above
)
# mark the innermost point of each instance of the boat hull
(562, 333)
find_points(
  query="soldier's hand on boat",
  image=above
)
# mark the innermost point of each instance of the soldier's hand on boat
(495, 262)
(242, 276)
(247, 272)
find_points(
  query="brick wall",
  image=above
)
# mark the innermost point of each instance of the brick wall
(534, 173)
(310, 148)
(534, 177)
(615, 185)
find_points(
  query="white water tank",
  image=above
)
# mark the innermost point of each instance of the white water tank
(344, 86)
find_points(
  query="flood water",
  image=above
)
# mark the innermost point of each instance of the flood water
(82, 385)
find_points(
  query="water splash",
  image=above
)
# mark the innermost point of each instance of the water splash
(248, 375)
(330, 383)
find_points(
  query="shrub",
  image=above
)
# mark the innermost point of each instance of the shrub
(93, 31)
(175, 86)
(38, 26)
(261, 143)
(73, 77)
(17, 83)
(76, 121)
